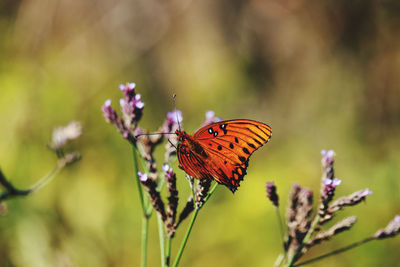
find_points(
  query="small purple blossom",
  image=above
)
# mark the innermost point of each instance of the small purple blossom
(131, 105)
(335, 182)
(174, 116)
(109, 113)
(330, 186)
(327, 156)
(143, 177)
(366, 192)
(172, 122)
(210, 118)
(169, 173)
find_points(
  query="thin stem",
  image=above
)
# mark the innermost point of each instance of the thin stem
(185, 239)
(296, 255)
(281, 256)
(337, 251)
(145, 228)
(146, 212)
(168, 251)
(278, 215)
(139, 186)
(161, 237)
(194, 216)
(210, 193)
(280, 259)
(12, 191)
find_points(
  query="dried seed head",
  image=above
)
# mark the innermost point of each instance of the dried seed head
(391, 230)
(201, 191)
(341, 226)
(329, 183)
(62, 135)
(189, 207)
(271, 193)
(342, 202)
(173, 199)
(151, 188)
(298, 216)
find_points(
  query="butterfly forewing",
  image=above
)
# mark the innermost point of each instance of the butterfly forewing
(229, 144)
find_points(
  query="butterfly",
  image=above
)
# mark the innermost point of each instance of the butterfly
(221, 150)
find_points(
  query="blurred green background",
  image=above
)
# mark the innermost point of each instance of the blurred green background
(323, 74)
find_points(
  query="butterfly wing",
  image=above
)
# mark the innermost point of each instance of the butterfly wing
(229, 145)
(193, 164)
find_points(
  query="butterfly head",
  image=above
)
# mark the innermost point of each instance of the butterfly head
(181, 135)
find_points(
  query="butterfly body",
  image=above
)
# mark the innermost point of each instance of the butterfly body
(221, 150)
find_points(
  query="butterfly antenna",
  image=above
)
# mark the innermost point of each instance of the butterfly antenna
(172, 144)
(136, 136)
(176, 113)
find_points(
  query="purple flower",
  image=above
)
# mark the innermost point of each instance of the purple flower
(109, 113)
(210, 118)
(366, 192)
(131, 105)
(327, 156)
(330, 186)
(169, 173)
(172, 122)
(143, 177)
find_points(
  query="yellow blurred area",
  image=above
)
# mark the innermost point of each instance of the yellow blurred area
(323, 74)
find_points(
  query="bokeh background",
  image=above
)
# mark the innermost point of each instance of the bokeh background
(323, 74)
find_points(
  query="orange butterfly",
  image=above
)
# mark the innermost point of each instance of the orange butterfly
(221, 150)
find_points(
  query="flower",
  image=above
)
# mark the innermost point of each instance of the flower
(172, 122)
(329, 189)
(143, 177)
(328, 156)
(131, 105)
(210, 118)
(132, 110)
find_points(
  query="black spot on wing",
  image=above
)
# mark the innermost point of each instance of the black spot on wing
(251, 145)
(223, 128)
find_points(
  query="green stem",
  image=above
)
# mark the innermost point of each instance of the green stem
(278, 215)
(161, 237)
(139, 186)
(307, 238)
(280, 259)
(337, 251)
(281, 256)
(194, 216)
(11, 191)
(168, 252)
(185, 239)
(210, 193)
(145, 228)
(146, 212)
